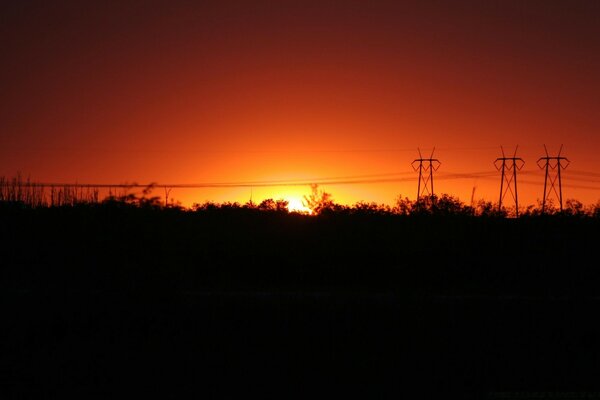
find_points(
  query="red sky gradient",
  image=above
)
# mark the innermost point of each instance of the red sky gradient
(193, 92)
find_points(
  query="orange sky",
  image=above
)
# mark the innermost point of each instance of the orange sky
(177, 92)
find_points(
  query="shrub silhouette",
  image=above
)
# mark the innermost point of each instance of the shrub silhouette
(574, 208)
(318, 201)
(489, 210)
(279, 205)
(365, 208)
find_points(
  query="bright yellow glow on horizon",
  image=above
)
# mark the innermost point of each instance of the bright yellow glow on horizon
(296, 205)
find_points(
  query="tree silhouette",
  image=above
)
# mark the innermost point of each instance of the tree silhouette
(318, 200)
(278, 205)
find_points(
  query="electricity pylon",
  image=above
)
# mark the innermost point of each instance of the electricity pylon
(554, 164)
(426, 168)
(509, 167)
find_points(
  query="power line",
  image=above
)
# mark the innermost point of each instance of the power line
(251, 151)
(583, 173)
(426, 168)
(308, 182)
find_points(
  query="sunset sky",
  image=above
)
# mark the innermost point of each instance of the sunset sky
(251, 91)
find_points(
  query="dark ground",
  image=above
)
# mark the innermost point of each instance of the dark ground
(226, 304)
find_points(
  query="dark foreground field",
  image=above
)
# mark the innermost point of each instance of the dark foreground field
(230, 304)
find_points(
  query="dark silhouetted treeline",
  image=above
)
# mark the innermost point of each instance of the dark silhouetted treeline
(422, 299)
(426, 247)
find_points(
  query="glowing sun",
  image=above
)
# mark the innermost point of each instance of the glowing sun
(295, 205)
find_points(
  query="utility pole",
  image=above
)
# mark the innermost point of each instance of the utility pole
(509, 167)
(426, 168)
(552, 167)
